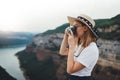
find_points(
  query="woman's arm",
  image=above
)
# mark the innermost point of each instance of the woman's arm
(63, 49)
(72, 66)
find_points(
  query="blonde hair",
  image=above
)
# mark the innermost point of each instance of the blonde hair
(87, 38)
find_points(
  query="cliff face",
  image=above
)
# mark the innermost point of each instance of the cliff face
(41, 60)
(46, 49)
(49, 41)
(4, 75)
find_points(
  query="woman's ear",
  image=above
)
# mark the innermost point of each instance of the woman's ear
(85, 28)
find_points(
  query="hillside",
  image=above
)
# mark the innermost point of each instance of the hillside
(41, 56)
(14, 38)
(101, 24)
(4, 75)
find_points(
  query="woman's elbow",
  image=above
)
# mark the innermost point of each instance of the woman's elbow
(69, 71)
(60, 52)
(63, 53)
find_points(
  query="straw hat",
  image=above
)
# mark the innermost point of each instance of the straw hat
(86, 20)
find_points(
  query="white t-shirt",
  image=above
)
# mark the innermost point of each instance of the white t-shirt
(88, 57)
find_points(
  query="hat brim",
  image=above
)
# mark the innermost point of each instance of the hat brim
(72, 19)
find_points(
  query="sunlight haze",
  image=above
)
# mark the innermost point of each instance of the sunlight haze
(40, 15)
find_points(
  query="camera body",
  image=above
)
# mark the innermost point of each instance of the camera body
(73, 29)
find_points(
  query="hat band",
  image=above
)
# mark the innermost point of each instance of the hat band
(88, 22)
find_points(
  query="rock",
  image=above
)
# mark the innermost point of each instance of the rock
(5, 75)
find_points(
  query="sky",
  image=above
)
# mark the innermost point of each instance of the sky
(40, 15)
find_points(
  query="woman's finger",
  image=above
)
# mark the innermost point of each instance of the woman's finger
(71, 32)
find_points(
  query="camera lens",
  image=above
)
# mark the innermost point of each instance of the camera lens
(73, 28)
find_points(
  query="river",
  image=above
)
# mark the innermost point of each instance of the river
(9, 61)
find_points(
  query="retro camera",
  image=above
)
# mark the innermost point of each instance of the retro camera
(73, 29)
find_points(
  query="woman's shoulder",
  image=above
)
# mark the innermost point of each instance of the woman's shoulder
(92, 44)
(92, 47)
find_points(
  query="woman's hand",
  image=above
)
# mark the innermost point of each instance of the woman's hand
(71, 40)
(66, 32)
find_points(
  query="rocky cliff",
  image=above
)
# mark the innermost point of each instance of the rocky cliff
(4, 75)
(41, 60)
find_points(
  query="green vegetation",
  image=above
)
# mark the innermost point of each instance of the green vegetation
(46, 69)
(100, 23)
(59, 29)
(104, 23)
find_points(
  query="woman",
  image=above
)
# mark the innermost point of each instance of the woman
(83, 52)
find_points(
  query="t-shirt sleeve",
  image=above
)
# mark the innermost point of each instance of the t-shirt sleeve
(87, 56)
